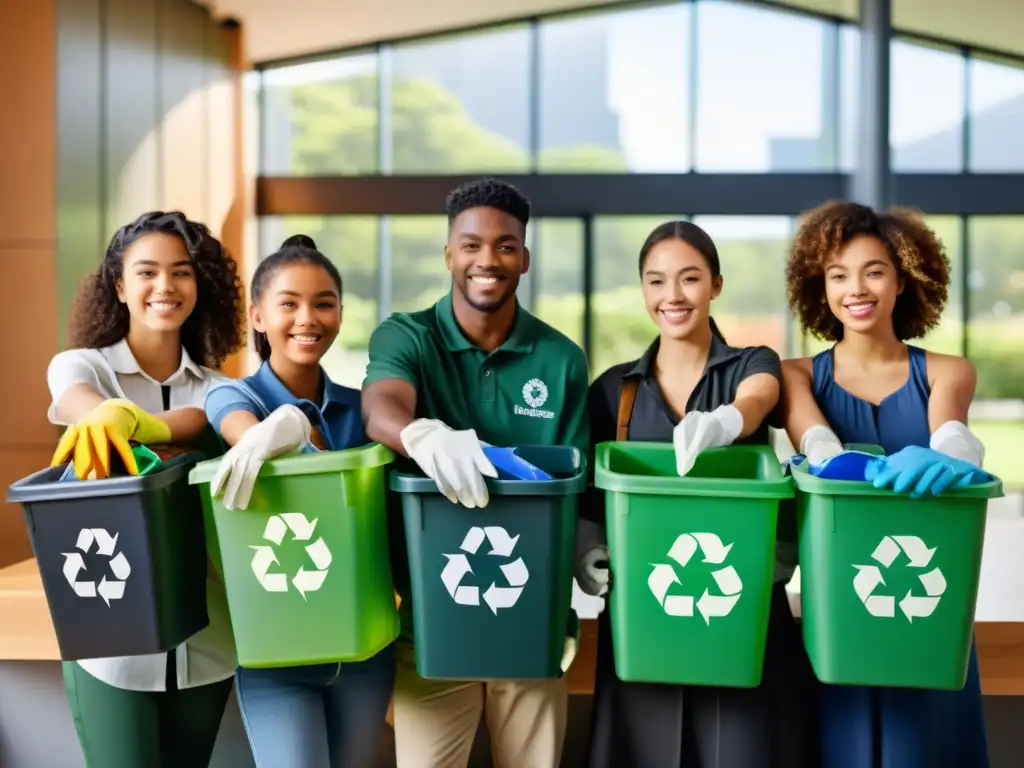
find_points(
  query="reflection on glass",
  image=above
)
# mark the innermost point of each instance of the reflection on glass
(351, 243)
(321, 117)
(418, 274)
(996, 283)
(556, 275)
(759, 90)
(997, 117)
(927, 106)
(461, 103)
(614, 91)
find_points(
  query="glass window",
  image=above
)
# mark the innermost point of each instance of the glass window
(997, 116)
(415, 255)
(849, 85)
(614, 91)
(461, 104)
(351, 243)
(927, 108)
(759, 90)
(948, 338)
(621, 329)
(751, 309)
(321, 117)
(996, 302)
(553, 288)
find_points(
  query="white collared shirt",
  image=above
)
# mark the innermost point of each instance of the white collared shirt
(113, 372)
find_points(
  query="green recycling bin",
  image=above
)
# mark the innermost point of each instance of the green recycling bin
(306, 567)
(492, 587)
(692, 560)
(888, 584)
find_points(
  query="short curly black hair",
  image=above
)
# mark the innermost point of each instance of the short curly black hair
(916, 252)
(216, 327)
(488, 193)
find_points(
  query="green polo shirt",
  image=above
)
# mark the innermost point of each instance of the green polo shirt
(532, 390)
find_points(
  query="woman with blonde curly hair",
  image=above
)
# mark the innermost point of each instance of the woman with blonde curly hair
(163, 308)
(869, 282)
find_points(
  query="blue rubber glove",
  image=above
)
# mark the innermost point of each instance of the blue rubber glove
(923, 471)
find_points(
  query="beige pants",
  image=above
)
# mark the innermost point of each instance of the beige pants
(436, 721)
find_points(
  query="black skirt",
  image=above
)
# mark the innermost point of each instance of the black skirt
(647, 725)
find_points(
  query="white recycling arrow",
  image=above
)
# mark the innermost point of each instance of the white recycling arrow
(457, 567)
(264, 556)
(73, 563)
(106, 545)
(663, 577)
(869, 577)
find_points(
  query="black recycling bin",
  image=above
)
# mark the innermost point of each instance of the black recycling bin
(123, 560)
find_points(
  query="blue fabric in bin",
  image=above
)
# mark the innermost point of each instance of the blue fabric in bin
(511, 466)
(848, 465)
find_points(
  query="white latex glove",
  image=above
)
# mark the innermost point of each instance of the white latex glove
(700, 430)
(286, 429)
(591, 550)
(820, 443)
(955, 439)
(451, 458)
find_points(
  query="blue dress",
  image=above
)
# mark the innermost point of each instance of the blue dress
(865, 727)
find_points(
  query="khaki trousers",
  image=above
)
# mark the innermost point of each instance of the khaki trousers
(436, 720)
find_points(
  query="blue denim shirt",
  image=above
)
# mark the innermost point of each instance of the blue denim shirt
(338, 418)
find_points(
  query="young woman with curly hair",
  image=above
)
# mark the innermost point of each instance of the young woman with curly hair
(870, 281)
(164, 306)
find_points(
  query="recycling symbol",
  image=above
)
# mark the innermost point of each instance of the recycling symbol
(74, 563)
(709, 606)
(264, 556)
(913, 606)
(502, 545)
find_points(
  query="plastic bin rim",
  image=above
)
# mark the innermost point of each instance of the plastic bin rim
(28, 489)
(403, 482)
(778, 487)
(324, 462)
(808, 483)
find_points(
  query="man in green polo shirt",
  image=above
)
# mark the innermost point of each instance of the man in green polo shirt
(475, 366)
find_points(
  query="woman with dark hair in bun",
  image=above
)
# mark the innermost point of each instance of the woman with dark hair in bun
(319, 715)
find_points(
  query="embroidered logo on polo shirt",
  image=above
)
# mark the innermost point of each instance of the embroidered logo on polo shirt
(535, 394)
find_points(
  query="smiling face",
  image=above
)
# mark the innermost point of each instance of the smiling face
(487, 255)
(861, 285)
(678, 288)
(300, 312)
(158, 283)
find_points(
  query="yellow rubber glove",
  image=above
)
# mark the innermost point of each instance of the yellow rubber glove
(112, 422)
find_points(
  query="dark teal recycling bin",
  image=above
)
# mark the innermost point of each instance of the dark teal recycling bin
(492, 587)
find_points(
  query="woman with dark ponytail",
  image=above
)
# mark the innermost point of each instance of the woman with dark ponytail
(321, 715)
(691, 389)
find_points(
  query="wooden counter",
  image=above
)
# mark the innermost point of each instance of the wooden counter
(26, 633)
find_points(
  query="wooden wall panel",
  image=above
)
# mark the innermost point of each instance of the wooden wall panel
(28, 314)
